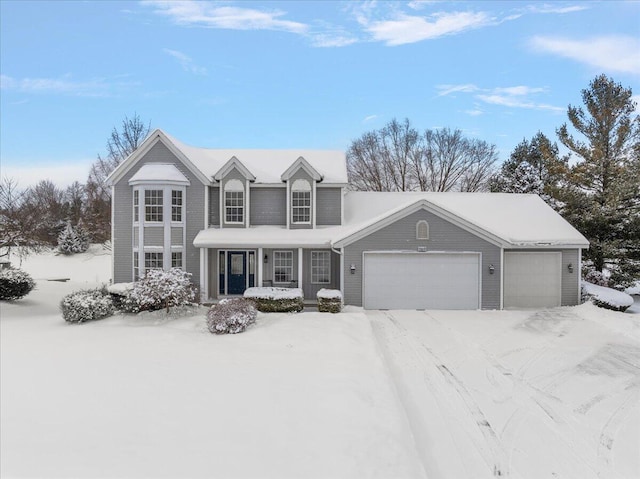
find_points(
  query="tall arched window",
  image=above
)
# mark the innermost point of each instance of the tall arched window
(301, 202)
(234, 202)
(422, 230)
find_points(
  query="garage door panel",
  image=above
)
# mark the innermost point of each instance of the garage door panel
(532, 280)
(421, 281)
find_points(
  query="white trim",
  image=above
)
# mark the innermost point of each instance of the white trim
(296, 165)
(311, 266)
(153, 138)
(203, 275)
(300, 257)
(229, 166)
(342, 272)
(273, 267)
(113, 236)
(313, 206)
(501, 278)
(247, 223)
(343, 193)
(422, 222)
(206, 207)
(432, 253)
(259, 266)
(579, 272)
(288, 215)
(221, 205)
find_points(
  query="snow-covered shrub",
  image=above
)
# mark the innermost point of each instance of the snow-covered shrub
(329, 300)
(86, 305)
(121, 296)
(276, 300)
(606, 297)
(73, 240)
(15, 284)
(231, 316)
(163, 289)
(594, 276)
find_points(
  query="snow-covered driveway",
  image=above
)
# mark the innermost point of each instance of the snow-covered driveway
(518, 393)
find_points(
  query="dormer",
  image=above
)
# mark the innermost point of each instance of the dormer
(234, 179)
(301, 179)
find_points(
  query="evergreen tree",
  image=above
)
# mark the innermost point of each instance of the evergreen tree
(533, 167)
(71, 242)
(603, 200)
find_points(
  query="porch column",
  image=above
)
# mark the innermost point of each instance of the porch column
(259, 268)
(204, 274)
(299, 267)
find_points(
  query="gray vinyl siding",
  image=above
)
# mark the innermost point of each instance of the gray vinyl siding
(301, 174)
(176, 235)
(136, 237)
(328, 206)
(311, 290)
(123, 216)
(234, 174)
(154, 236)
(443, 236)
(569, 284)
(214, 206)
(268, 206)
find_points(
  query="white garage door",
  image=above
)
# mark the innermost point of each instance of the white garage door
(421, 280)
(532, 280)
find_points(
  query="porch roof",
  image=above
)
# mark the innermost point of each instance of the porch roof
(266, 237)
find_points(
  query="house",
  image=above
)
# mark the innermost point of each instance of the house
(242, 218)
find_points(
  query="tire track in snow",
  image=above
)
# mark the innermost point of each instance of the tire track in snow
(490, 449)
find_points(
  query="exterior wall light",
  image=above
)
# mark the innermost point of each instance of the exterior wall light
(266, 259)
(570, 267)
(352, 268)
(491, 269)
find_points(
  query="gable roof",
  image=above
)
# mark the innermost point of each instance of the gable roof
(230, 165)
(504, 219)
(266, 166)
(298, 164)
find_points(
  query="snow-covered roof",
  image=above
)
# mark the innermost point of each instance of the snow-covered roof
(158, 172)
(267, 165)
(511, 219)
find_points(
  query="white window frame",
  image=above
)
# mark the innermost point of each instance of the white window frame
(136, 205)
(234, 190)
(158, 206)
(286, 254)
(424, 224)
(177, 207)
(161, 259)
(321, 262)
(301, 187)
(181, 266)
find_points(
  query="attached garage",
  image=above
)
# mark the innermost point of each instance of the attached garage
(411, 280)
(532, 279)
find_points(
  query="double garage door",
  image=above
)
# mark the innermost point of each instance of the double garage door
(394, 280)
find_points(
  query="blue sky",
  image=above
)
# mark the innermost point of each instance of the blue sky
(294, 74)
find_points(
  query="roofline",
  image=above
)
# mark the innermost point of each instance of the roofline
(305, 165)
(234, 162)
(151, 140)
(405, 210)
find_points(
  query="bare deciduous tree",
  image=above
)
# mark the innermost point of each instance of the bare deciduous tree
(17, 226)
(398, 158)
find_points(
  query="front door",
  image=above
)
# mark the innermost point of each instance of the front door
(237, 272)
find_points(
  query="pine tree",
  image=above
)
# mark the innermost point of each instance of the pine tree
(70, 241)
(603, 200)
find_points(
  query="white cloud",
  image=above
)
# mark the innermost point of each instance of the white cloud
(512, 96)
(65, 85)
(369, 118)
(212, 15)
(62, 175)
(186, 62)
(328, 40)
(405, 29)
(551, 8)
(609, 53)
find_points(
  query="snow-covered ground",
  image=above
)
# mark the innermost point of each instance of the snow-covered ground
(385, 394)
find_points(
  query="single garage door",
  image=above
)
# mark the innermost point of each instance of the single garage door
(532, 280)
(394, 280)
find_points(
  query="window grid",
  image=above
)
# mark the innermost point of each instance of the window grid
(176, 205)
(234, 206)
(320, 267)
(422, 230)
(282, 266)
(153, 260)
(301, 206)
(176, 259)
(136, 206)
(136, 266)
(153, 205)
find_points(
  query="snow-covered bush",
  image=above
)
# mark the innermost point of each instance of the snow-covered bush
(594, 276)
(121, 296)
(276, 300)
(73, 240)
(86, 305)
(606, 297)
(15, 284)
(163, 289)
(329, 300)
(231, 316)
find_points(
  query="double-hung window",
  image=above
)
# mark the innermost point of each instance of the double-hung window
(176, 205)
(301, 202)
(176, 259)
(136, 206)
(320, 267)
(234, 206)
(153, 260)
(282, 266)
(153, 205)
